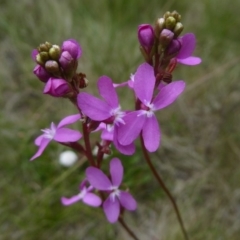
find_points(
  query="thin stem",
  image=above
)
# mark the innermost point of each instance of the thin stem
(87, 144)
(125, 226)
(161, 183)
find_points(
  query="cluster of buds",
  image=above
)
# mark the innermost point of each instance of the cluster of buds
(163, 47)
(57, 66)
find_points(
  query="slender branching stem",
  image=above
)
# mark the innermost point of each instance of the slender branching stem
(125, 226)
(165, 189)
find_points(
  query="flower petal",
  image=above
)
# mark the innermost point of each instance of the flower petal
(107, 91)
(144, 81)
(190, 61)
(98, 179)
(93, 107)
(129, 131)
(69, 120)
(151, 134)
(111, 209)
(68, 201)
(168, 94)
(42, 146)
(188, 45)
(124, 149)
(92, 200)
(127, 201)
(116, 171)
(67, 135)
(38, 140)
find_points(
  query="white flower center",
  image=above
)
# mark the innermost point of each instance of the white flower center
(118, 115)
(115, 193)
(50, 132)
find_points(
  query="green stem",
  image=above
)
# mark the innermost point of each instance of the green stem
(161, 183)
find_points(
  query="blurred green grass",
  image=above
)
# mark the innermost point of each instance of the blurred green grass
(200, 153)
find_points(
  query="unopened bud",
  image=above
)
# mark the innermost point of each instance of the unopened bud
(41, 73)
(178, 29)
(174, 48)
(166, 15)
(165, 37)
(57, 87)
(52, 66)
(176, 15)
(146, 36)
(170, 22)
(44, 56)
(73, 47)
(39, 59)
(66, 60)
(44, 47)
(159, 26)
(54, 52)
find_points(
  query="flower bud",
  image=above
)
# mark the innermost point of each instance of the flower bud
(66, 61)
(170, 22)
(166, 15)
(178, 29)
(174, 48)
(44, 56)
(165, 37)
(176, 15)
(146, 35)
(56, 87)
(159, 26)
(39, 60)
(54, 52)
(73, 47)
(44, 47)
(41, 73)
(52, 66)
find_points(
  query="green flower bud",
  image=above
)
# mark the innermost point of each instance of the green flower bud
(39, 60)
(159, 26)
(52, 66)
(166, 15)
(44, 47)
(176, 15)
(44, 56)
(170, 23)
(54, 52)
(178, 29)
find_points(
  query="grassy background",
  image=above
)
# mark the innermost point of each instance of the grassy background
(199, 156)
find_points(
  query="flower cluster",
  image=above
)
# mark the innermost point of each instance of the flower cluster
(153, 89)
(56, 67)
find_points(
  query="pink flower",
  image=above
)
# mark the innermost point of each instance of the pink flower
(144, 120)
(184, 56)
(85, 195)
(107, 110)
(58, 133)
(117, 197)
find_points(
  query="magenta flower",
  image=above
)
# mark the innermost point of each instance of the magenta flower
(117, 197)
(107, 110)
(184, 56)
(144, 120)
(85, 195)
(146, 35)
(58, 133)
(73, 47)
(56, 87)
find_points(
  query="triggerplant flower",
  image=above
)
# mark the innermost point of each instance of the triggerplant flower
(144, 119)
(117, 197)
(58, 133)
(73, 47)
(85, 195)
(107, 110)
